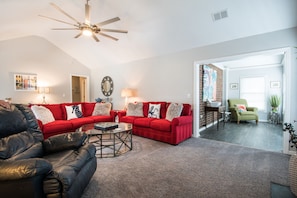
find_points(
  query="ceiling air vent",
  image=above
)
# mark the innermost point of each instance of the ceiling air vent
(220, 15)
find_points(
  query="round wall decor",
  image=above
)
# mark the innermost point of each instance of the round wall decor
(107, 86)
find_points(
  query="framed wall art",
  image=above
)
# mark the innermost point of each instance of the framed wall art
(233, 85)
(274, 84)
(25, 82)
(209, 83)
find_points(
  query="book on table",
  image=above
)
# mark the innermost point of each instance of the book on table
(105, 126)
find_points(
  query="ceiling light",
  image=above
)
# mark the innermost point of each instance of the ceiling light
(87, 31)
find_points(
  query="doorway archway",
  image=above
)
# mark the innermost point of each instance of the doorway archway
(79, 88)
(287, 64)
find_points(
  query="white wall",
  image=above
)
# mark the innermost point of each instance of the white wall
(38, 56)
(171, 77)
(269, 73)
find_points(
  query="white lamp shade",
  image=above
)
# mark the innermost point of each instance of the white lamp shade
(127, 92)
(43, 90)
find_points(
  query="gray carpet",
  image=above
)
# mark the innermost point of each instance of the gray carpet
(195, 168)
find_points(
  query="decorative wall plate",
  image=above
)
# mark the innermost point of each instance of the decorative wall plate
(107, 86)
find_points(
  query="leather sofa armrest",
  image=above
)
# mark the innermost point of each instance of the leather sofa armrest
(65, 141)
(182, 120)
(20, 169)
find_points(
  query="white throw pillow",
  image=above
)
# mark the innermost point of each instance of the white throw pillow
(174, 110)
(135, 109)
(154, 111)
(102, 109)
(43, 114)
(73, 111)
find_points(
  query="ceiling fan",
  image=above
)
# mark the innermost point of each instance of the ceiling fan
(86, 28)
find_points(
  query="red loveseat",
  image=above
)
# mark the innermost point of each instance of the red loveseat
(62, 125)
(161, 129)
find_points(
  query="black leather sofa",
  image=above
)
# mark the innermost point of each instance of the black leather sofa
(30, 166)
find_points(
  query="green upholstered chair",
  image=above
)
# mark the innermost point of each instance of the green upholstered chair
(237, 114)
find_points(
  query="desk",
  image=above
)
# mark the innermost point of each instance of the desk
(220, 109)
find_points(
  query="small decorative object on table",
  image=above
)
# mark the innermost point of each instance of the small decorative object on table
(293, 160)
(105, 126)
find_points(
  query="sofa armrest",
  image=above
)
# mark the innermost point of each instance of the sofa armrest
(113, 114)
(182, 120)
(254, 109)
(121, 114)
(40, 124)
(65, 141)
(234, 111)
(20, 169)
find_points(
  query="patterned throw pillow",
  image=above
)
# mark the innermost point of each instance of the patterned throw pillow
(241, 107)
(174, 110)
(154, 111)
(43, 114)
(102, 109)
(135, 109)
(74, 111)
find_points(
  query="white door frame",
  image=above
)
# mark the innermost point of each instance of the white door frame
(87, 91)
(287, 80)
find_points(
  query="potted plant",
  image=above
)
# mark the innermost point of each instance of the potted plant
(274, 102)
(293, 159)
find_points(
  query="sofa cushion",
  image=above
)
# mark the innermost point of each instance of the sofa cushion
(15, 144)
(129, 119)
(154, 111)
(78, 122)
(161, 125)
(143, 122)
(187, 110)
(56, 111)
(162, 110)
(102, 118)
(43, 114)
(74, 111)
(241, 107)
(63, 108)
(174, 110)
(58, 125)
(88, 108)
(135, 109)
(102, 109)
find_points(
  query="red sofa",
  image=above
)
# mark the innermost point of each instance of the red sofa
(62, 125)
(161, 129)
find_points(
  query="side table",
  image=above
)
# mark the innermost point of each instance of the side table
(220, 109)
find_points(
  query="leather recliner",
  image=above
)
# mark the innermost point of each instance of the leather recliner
(60, 166)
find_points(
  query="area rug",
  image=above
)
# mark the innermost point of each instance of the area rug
(195, 168)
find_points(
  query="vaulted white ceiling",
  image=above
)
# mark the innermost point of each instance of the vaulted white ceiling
(154, 27)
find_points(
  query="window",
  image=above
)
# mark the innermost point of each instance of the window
(253, 90)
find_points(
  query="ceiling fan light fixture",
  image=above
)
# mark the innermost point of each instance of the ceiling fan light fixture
(87, 28)
(87, 31)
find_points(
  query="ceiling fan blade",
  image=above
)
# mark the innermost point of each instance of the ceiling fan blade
(108, 21)
(111, 30)
(87, 13)
(95, 37)
(78, 35)
(58, 8)
(108, 36)
(58, 20)
(65, 28)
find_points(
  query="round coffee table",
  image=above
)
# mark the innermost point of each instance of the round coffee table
(109, 142)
